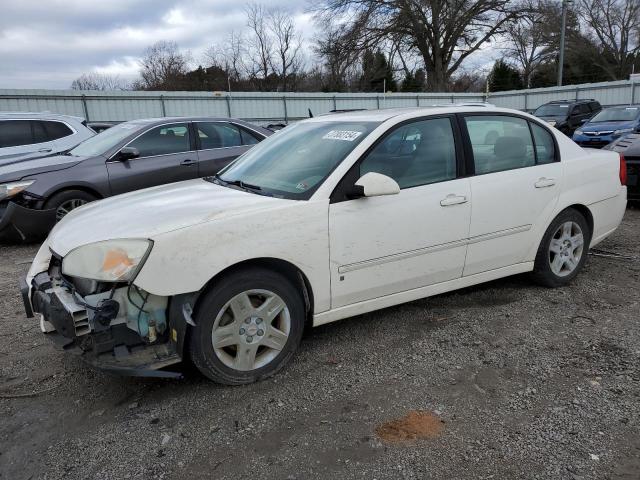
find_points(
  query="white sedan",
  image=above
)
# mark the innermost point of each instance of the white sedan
(329, 218)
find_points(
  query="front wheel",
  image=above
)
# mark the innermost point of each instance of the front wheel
(68, 200)
(248, 326)
(563, 250)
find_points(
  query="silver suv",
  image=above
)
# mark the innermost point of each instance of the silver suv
(29, 135)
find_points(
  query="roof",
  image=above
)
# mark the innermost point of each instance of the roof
(41, 115)
(387, 113)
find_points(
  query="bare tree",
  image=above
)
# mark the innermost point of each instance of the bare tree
(259, 42)
(445, 32)
(616, 26)
(99, 81)
(530, 38)
(339, 53)
(286, 60)
(229, 56)
(163, 66)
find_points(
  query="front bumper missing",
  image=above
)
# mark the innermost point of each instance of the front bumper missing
(18, 223)
(117, 349)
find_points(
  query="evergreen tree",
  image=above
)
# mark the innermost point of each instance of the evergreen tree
(376, 73)
(504, 77)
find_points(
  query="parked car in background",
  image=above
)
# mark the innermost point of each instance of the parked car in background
(567, 115)
(30, 135)
(629, 146)
(608, 125)
(99, 127)
(35, 194)
(332, 217)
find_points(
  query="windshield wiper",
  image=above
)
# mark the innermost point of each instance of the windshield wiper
(238, 183)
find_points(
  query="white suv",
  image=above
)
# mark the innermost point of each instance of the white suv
(28, 135)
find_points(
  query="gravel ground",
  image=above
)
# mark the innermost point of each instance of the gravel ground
(531, 383)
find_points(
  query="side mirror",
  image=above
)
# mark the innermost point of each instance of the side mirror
(373, 185)
(127, 153)
(584, 120)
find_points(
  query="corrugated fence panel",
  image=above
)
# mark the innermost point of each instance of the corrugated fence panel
(266, 107)
(123, 109)
(257, 107)
(366, 102)
(299, 107)
(205, 107)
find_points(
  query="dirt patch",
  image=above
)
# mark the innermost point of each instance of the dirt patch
(415, 425)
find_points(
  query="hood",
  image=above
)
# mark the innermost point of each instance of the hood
(16, 168)
(153, 211)
(554, 118)
(606, 126)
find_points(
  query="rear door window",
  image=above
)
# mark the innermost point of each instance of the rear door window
(39, 132)
(14, 133)
(218, 135)
(500, 143)
(163, 140)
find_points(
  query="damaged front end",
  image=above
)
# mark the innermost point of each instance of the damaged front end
(114, 326)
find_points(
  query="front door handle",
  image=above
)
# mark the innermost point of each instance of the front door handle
(44, 150)
(453, 199)
(188, 162)
(544, 182)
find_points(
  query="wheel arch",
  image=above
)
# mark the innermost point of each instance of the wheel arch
(83, 188)
(293, 273)
(586, 213)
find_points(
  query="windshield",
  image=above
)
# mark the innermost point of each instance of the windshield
(104, 141)
(618, 114)
(293, 162)
(552, 111)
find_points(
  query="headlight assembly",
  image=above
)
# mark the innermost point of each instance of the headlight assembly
(578, 132)
(8, 190)
(552, 122)
(623, 131)
(107, 261)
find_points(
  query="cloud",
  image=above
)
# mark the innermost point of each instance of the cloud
(48, 44)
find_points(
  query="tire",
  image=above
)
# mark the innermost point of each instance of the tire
(248, 347)
(68, 200)
(560, 255)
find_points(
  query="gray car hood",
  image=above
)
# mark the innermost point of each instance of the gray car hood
(12, 169)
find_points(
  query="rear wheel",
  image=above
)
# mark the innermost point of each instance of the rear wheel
(248, 326)
(563, 249)
(68, 200)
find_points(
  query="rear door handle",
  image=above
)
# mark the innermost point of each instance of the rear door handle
(544, 182)
(453, 199)
(188, 162)
(43, 150)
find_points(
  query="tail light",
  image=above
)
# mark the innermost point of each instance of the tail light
(623, 170)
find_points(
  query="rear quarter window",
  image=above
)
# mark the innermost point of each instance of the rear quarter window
(56, 130)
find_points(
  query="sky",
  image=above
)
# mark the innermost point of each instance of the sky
(49, 43)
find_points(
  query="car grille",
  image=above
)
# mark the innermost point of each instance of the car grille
(593, 143)
(594, 134)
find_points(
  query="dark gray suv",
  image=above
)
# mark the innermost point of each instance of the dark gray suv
(34, 194)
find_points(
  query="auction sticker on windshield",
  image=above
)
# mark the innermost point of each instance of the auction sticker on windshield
(347, 135)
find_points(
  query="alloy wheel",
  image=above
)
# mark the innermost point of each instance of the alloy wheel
(67, 206)
(566, 249)
(251, 330)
